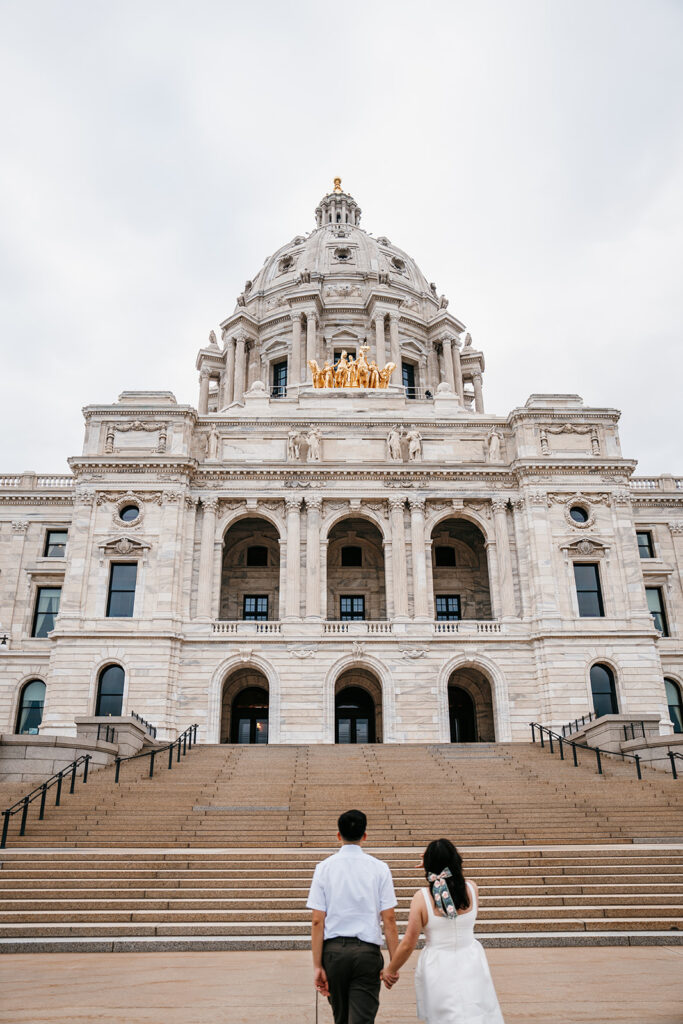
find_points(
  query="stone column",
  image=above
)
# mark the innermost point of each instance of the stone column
(395, 345)
(294, 370)
(188, 558)
(168, 556)
(417, 540)
(203, 406)
(313, 603)
(507, 590)
(205, 585)
(446, 343)
(311, 343)
(457, 371)
(293, 599)
(229, 375)
(478, 394)
(323, 578)
(398, 557)
(380, 345)
(240, 366)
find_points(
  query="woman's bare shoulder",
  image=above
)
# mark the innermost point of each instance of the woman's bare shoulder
(473, 884)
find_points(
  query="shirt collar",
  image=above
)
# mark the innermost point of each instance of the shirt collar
(350, 848)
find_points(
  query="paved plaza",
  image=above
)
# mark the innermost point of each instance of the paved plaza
(535, 986)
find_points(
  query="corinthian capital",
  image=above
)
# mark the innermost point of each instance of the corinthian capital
(417, 504)
(499, 503)
(397, 503)
(314, 503)
(293, 503)
(210, 504)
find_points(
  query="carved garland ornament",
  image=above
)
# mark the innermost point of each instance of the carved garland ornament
(139, 425)
(570, 428)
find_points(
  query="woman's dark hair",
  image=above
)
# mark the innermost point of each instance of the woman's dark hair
(442, 854)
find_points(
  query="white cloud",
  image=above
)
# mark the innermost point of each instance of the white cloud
(529, 155)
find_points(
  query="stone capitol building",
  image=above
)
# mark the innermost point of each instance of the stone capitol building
(340, 543)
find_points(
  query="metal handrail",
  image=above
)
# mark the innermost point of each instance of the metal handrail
(109, 733)
(56, 779)
(184, 742)
(578, 723)
(151, 729)
(598, 751)
(673, 754)
(630, 727)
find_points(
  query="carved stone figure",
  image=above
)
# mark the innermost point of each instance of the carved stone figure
(467, 340)
(385, 375)
(213, 341)
(305, 276)
(313, 440)
(213, 443)
(293, 446)
(414, 445)
(494, 447)
(394, 445)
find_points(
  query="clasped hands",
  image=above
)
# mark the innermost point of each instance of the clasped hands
(388, 978)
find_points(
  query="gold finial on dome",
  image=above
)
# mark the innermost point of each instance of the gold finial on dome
(337, 185)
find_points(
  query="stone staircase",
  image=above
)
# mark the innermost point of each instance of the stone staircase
(219, 852)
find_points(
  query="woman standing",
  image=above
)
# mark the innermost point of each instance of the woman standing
(453, 983)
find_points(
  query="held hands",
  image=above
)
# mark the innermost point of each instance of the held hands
(320, 981)
(389, 978)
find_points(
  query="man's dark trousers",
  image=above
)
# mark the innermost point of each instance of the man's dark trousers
(352, 968)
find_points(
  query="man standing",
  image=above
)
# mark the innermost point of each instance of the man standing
(350, 893)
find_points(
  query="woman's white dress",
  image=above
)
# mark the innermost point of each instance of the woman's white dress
(453, 982)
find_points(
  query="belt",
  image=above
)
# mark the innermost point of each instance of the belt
(351, 940)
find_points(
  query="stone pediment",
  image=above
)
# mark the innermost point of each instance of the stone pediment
(123, 546)
(585, 547)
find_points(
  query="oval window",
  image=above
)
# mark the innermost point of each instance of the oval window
(129, 513)
(578, 514)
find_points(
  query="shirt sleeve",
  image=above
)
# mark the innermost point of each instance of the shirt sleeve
(387, 896)
(316, 895)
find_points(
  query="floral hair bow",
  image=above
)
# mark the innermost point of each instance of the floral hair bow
(441, 893)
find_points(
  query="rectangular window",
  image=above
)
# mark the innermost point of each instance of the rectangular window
(352, 608)
(55, 543)
(279, 388)
(447, 608)
(645, 548)
(256, 607)
(47, 610)
(588, 592)
(408, 378)
(121, 597)
(655, 603)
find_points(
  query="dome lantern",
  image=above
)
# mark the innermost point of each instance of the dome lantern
(337, 207)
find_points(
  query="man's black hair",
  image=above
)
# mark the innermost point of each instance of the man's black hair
(352, 825)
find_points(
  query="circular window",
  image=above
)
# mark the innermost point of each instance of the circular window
(398, 264)
(578, 514)
(286, 263)
(129, 513)
(342, 254)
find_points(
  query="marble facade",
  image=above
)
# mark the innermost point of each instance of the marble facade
(307, 474)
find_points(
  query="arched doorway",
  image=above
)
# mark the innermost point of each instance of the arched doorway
(31, 703)
(470, 707)
(461, 716)
(250, 574)
(356, 587)
(245, 707)
(460, 571)
(358, 707)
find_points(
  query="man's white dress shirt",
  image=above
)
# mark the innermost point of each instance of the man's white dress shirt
(352, 888)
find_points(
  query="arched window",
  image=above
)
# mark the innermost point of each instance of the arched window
(675, 702)
(354, 716)
(604, 691)
(110, 691)
(31, 702)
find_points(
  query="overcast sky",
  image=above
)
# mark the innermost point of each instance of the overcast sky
(529, 155)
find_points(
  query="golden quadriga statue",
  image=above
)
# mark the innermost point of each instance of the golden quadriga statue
(351, 373)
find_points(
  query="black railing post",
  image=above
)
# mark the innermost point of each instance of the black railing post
(672, 758)
(85, 769)
(561, 749)
(540, 730)
(24, 813)
(59, 790)
(550, 740)
(576, 761)
(73, 778)
(195, 733)
(151, 764)
(5, 826)
(189, 738)
(184, 743)
(179, 746)
(533, 732)
(118, 769)
(98, 730)
(43, 796)
(597, 754)
(170, 757)
(637, 757)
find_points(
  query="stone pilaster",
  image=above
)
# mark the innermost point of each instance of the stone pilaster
(293, 580)
(417, 540)
(229, 374)
(203, 405)
(457, 371)
(447, 357)
(313, 557)
(311, 343)
(395, 344)
(205, 586)
(478, 393)
(294, 373)
(398, 557)
(169, 553)
(240, 366)
(505, 580)
(380, 344)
